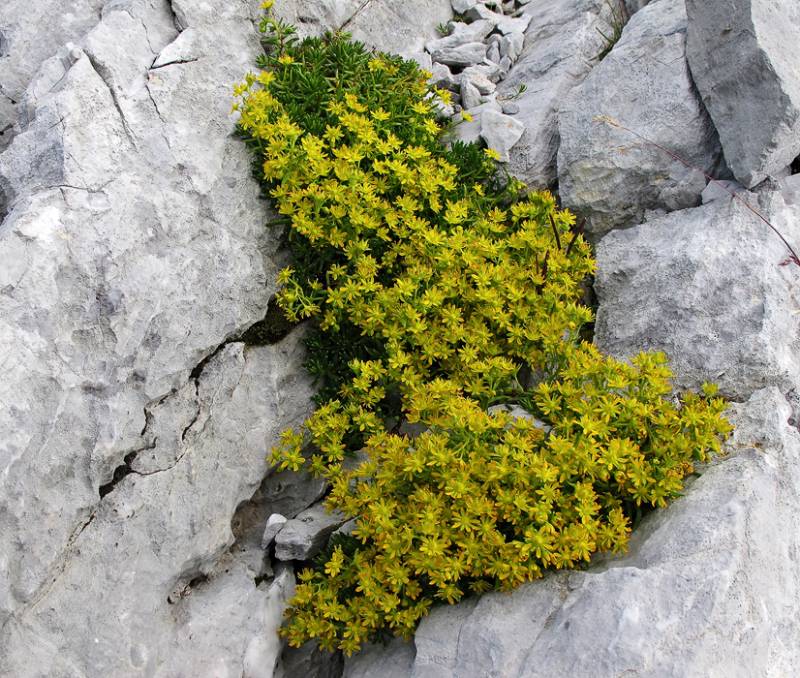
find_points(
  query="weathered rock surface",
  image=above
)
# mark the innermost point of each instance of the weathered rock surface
(744, 60)
(160, 536)
(399, 27)
(562, 42)
(501, 133)
(714, 567)
(609, 174)
(133, 246)
(305, 535)
(31, 32)
(706, 286)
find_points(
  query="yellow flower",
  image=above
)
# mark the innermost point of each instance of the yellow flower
(285, 59)
(267, 4)
(467, 116)
(491, 153)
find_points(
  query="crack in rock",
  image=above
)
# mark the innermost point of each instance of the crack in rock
(103, 75)
(173, 63)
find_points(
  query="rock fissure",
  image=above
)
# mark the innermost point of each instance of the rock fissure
(177, 62)
(104, 76)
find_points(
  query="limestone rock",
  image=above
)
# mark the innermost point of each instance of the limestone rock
(132, 248)
(30, 33)
(715, 566)
(398, 27)
(470, 96)
(608, 174)
(720, 190)
(461, 34)
(461, 56)
(706, 286)
(160, 544)
(500, 132)
(481, 78)
(311, 18)
(309, 661)
(394, 660)
(504, 24)
(274, 525)
(470, 131)
(305, 535)
(744, 62)
(288, 493)
(561, 43)
(633, 6)
(442, 77)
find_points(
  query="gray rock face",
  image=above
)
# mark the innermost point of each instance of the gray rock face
(304, 536)
(608, 174)
(744, 61)
(133, 247)
(714, 567)
(561, 44)
(31, 32)
(100, 311)
(398, 27)
(706, 286)
(159, 545)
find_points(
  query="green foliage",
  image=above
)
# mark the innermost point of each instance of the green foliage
(619, 17)
(433, 282)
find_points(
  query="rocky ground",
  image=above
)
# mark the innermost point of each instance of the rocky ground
(141, 533)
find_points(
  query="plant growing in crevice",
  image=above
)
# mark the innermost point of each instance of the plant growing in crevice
(434, 284)
(619, 18)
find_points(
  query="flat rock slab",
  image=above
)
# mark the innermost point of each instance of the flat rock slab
(745, 62)
(609, 174)
(707, 287)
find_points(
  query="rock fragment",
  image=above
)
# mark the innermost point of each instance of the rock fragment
(304, 536)
(500, 132)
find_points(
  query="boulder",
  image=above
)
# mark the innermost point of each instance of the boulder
(561, 44)
(707, 287)
(743, 56)
(609, 167)
(304, 536)
(716, 566)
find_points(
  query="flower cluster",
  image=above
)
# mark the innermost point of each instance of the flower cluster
(448, 289)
